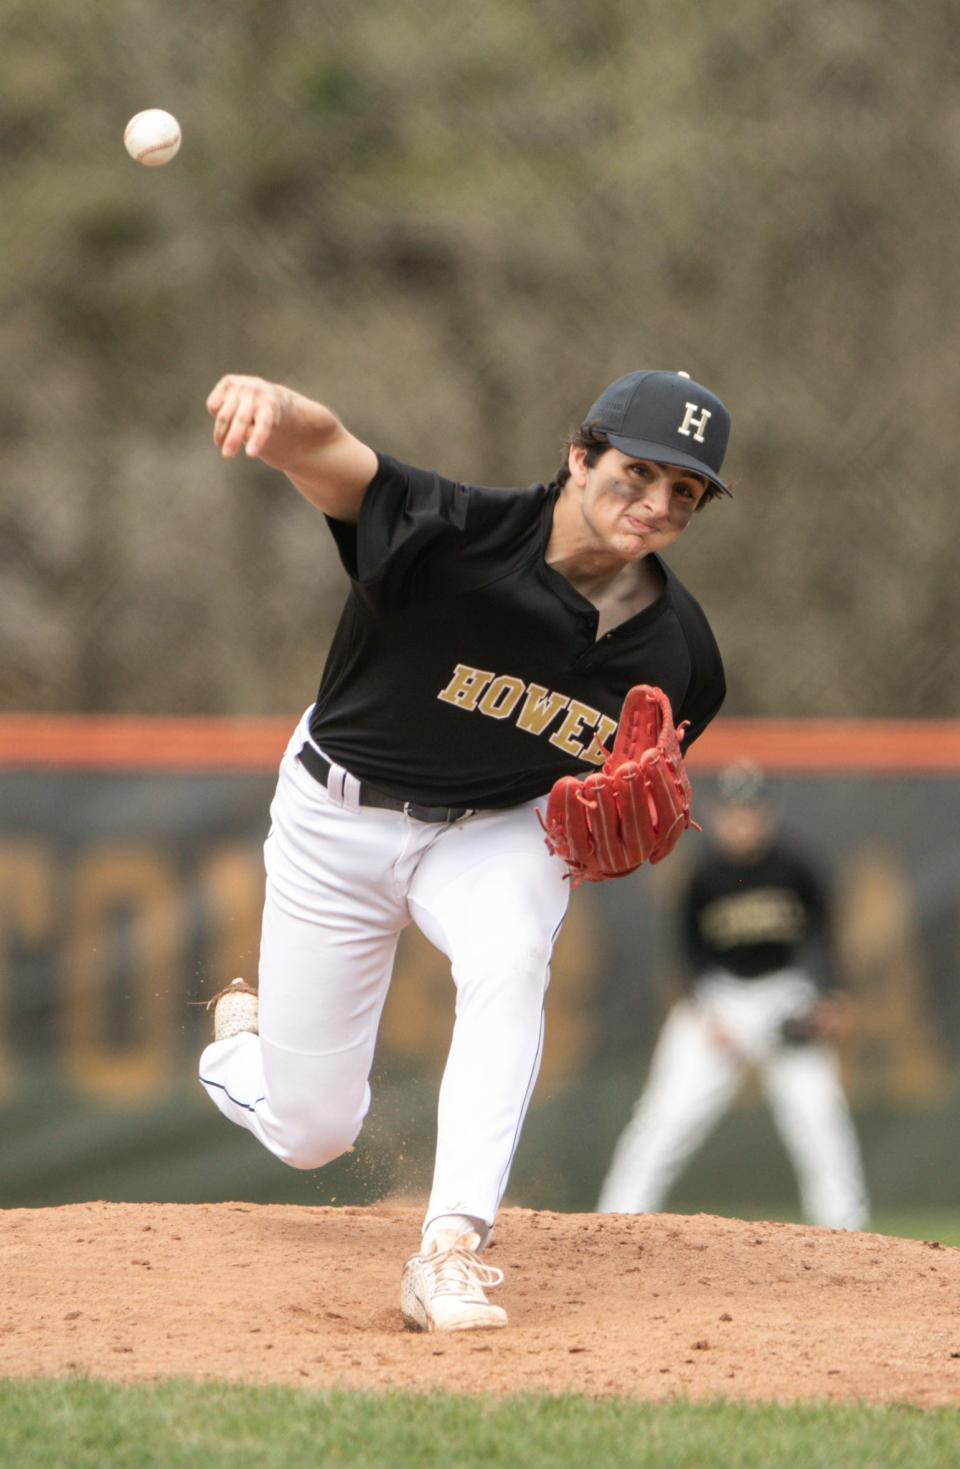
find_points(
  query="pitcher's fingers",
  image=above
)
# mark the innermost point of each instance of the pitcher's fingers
(241, 417)
(224, 418)
(217, 394)
(265, 418)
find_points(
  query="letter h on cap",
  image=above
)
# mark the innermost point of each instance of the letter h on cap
(692, 424)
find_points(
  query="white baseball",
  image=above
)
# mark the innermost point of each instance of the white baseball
(152, 137)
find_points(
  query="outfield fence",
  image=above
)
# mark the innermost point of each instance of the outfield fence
(130, 889)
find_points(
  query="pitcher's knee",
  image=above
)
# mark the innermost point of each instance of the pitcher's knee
(524, 964)
(314, 1141)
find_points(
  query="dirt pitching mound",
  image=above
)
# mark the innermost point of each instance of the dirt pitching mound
(646, 1307)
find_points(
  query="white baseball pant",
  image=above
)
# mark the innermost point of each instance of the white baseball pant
(342, 882)
(707, 1043)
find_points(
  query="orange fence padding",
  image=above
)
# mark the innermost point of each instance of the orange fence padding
(794, 746)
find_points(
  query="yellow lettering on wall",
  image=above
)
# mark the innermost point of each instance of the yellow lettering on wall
(418, 1016)
(539, 708)
(466, 686)
(26, 908)
(128, 889)
(892, 1054)
(231, 881)
(502, 697)
(571, 1006)
(569, 737)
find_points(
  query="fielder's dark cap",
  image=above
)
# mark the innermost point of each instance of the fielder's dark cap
(741, 784)
(666, 417)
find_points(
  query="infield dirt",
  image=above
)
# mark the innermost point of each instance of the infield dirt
(647, 1307)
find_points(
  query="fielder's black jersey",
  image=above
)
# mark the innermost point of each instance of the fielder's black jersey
(753, 918)
(464, 670)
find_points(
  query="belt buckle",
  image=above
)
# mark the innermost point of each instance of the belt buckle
(452, 814)
(416, 812)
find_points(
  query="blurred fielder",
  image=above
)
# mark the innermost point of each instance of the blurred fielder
(489, 642)
(751, 912)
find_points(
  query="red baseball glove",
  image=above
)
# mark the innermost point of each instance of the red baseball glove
(634, 809)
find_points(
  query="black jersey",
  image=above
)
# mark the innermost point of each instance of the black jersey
(464, 670)
(753, 918)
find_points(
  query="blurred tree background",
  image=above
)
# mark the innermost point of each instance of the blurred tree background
(455, 222)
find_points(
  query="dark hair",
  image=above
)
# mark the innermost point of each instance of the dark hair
(595, 443)
(593, 440)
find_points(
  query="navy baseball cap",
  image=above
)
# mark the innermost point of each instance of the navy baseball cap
(666, 417)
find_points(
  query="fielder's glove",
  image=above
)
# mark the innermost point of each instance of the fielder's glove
(634, 809)
(799, 1030)
(830, 1020)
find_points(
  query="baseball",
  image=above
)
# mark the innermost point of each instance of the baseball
(152, 137)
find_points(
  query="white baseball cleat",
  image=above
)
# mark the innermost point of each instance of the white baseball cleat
(443, 1288)
(235, 1009)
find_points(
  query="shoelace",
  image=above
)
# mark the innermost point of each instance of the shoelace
(458, 1272)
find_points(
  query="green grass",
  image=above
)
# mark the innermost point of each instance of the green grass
(82, 1424)
(942, 1225)
(929, 1223)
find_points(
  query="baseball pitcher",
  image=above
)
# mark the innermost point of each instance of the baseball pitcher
(500, 717)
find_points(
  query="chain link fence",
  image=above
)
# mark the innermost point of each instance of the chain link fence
(455, 222)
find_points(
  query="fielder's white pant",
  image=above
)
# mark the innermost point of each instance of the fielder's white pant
(707, 1043)
(342, 882)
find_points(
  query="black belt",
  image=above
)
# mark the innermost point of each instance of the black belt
(319, 768)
